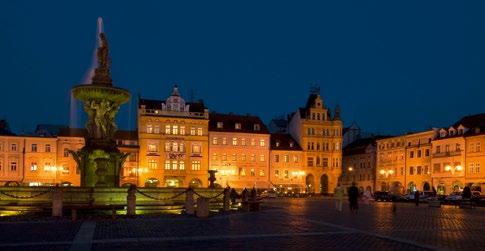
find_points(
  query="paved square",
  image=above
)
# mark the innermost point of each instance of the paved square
(283, 224)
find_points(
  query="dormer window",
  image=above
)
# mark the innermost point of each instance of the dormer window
(237, 126)
(443, 133)
(256, 127)
(220, 125)
(291, 144)
(460, 131)
(277, 143)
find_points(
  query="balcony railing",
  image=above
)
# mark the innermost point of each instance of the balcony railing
(447, 154)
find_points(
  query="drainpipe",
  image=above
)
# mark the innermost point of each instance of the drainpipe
(23, 163)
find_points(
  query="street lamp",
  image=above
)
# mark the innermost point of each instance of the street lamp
(386, 172)
(452, 169)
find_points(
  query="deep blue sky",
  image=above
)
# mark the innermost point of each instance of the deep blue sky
(393, 66)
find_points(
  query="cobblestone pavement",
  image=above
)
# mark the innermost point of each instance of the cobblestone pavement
(283, 224)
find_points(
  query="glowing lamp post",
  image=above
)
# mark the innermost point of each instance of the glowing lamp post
(386, 172)
(453, 169)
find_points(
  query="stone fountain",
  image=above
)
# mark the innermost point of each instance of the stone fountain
(100, 161)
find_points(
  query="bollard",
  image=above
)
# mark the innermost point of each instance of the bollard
(226, 200)
(131, 201)
(189, 202)
(56, 202)
(202, 208)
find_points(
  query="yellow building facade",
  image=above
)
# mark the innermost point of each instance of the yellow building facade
(287, 173)
(418, 161)
(173, 139)
(359, 164)
(239, 150)
(320, 137)
(391, 164)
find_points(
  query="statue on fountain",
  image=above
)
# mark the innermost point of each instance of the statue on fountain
(100, 161)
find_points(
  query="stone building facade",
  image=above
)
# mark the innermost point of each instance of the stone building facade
(173, 137)
(239, 150)
(320, 136)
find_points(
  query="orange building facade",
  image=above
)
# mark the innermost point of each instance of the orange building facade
(239, 151)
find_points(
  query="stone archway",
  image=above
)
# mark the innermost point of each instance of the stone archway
(195, 183)
(396, 188)
(426, 186)
(383, 187)
(310, 183)
(368, 189)
(324, 184)
(411, 187)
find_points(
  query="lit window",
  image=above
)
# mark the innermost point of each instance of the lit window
(286, 174)
(252, 172)
(47, 148)
(152, 163)
(253, 142)
(214, 140)
(276, 158)
(243, 141)
(234, 141)
(182, 147)
(257, 127)
(234, 157)
(261, 157)
(276, 173)
(182, 130)
(33, 166)
(167, 164)
(238, 126)
(253, 157)
(174, 165)
(199, 131)
(192, 131)
(224, 141)
(48, 167)
(261, 142)
(196, 165)
(167, 146)
(175, 146)
(243, 157)
(196, 148)
(175, 129)
(167, 129)
(152, 147)
(149, 129)
(214, 156)
(220, 125)
(287, 158)
(181, 165)
(224, 156)
(66, 152)
(261, 172)
(156, 129)
(242, 172)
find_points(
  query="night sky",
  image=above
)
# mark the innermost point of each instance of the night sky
(393, 66)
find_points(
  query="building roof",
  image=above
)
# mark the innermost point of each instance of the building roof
(48, 130)
(283, 141)
(472, 121)
(229, 123)
(360, 145)
(157, 105)
(81, 132)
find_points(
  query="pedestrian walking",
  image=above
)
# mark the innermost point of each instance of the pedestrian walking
(416, 197)
(367, 197)
(339, 197)
(353, 197)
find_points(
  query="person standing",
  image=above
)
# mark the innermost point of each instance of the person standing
(339, 196)
(416, 197)
(353, 197)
